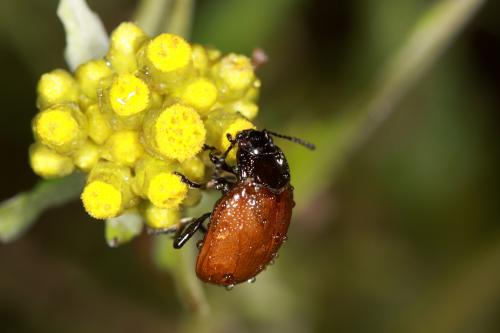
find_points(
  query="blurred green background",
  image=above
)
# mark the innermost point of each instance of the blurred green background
(398, 232)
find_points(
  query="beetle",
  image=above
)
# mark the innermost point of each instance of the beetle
(250, 221)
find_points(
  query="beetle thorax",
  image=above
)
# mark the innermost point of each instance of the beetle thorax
(259, 159)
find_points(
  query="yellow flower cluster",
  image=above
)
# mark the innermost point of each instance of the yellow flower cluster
(134, 118)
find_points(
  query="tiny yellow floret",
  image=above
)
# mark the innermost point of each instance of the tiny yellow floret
(49, 164)
(166, 190)
(86, 156)
(123, 147)
(200, 58)
(160, 218)
(193, 168)
(168, 53)
(235, 72)
(247, 109)
(101, 200)
(200, 94)
(179, 132)
(56, 127)
(89, 75)
(126, 40)
(128, 95)
(56, 87)
(99, 127)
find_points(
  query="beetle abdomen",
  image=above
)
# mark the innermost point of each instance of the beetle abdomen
(247, 227)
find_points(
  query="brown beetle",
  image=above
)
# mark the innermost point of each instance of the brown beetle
(249, 222)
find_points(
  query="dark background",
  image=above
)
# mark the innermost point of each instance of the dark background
(403, 236)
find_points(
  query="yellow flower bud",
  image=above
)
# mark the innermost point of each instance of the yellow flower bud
(47, 163)
(234, 75)
(252, 94)
(89, 75)
(200, 94)
(176, 132)
(126, 40)
(148, 166)
(247, 109)
(108, 191)
(61, 127)
(166, 190)
(128, 95)
(200, 58)
(168, 53)
(160, 218)
(156, 181)
(56, 87)
(213, 54)
(194, 169)
(99, 128)
(123, 147)
(102, 200)
(86, 156)
(167, 60)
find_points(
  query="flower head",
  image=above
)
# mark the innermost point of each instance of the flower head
(135, 119)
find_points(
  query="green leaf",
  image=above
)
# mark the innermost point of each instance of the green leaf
(86, 37)
(21, 211)
(121, 229)
(179, 263)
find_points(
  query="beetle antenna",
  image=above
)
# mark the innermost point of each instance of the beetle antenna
(304, 143)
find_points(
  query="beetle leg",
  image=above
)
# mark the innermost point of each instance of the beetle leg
(208, 147)
(220, 184)
(218, 161)
(183, 235)
(163, 231)
(172, 229)
(188, 182)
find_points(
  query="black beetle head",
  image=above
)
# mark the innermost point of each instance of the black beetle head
(255, 142)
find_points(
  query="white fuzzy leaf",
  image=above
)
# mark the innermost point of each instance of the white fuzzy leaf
(86, 37)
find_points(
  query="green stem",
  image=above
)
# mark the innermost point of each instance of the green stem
(180, 18)
(431, 36)
(150, 15)
(180, 263)
(18, 213)
(174, 16)
(189, 287)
